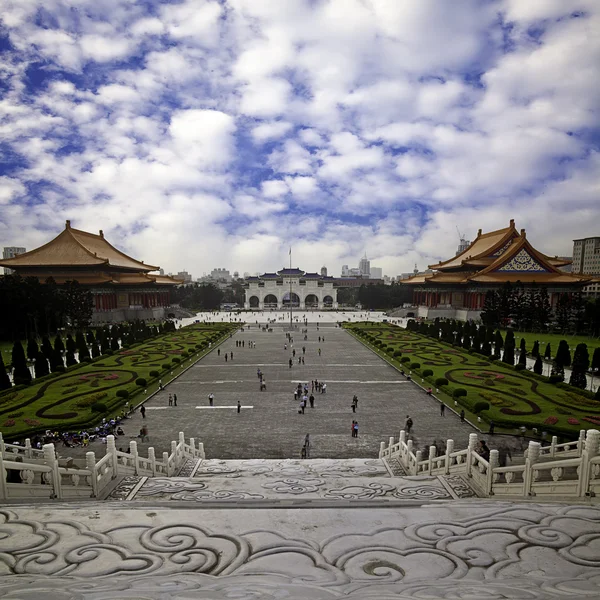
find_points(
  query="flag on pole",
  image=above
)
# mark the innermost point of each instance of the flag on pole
(290, 250)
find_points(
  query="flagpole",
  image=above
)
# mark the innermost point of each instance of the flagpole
(291, 309)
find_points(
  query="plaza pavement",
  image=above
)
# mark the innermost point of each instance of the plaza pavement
(272, 428)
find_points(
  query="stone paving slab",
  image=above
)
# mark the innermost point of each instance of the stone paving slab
(460, 549)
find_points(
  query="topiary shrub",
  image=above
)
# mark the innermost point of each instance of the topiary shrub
(397, 353)
(166, 366)
(519, 367)
(555, 379)
(175, 360)
(405, 359)
(459, 393)
(141, 382)
(390, 349)
(99, 407)
(415, 365)
(123, 394)
(479, 406)
(154, 373)
(427, 373)
(440, 381)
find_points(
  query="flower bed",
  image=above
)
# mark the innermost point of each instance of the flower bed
(551, 420)
(484, 375)
(573, 421)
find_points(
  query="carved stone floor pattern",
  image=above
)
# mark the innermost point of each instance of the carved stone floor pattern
(459, 550)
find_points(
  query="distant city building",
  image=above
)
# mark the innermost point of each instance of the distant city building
(220, 274)
(324, 271)
(187, 278)
(236, 274)
(364, 266)
(463, 244)
(11, 252)
(161, 271)
(586, 260)
(376, 273)
(246, 274)
(345, 271)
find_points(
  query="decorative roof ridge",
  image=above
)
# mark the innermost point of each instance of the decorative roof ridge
(507, 232)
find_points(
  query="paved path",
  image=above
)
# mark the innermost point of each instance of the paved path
(272, 428)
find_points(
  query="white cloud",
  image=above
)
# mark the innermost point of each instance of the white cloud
(103, 49)
(274, 189)
(270, 131)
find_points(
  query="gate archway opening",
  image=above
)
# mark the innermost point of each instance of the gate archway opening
(253, 301)
(311, 301)
(295, 299)
(270, 301)
(328, 301)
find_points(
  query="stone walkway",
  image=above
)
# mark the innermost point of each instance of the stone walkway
(272, 427)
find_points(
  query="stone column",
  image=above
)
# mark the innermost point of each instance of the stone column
(90, 465)
(3, 484)
(592, 443)
(133, 450)
(449, 450)
(50, 459)
(111, 449)
(490, 473)
(152, 459)
(471, 449)
(533, 455)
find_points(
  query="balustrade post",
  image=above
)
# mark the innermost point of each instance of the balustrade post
(432, 453)
(402, 438)
(419, 458)
(111, 448)
(381, 449)
(494, 462)
(592, 442)
(390, 447)
(193, 446)
(201, 450)
(50, 458)
(449, 450)
(90, 465)
(581, 442)
(28, 452)
(553, 446)
(533, 455)
(152, 459)
(471, 449)
(181, 437)
(133, 450)
(174, 455)
(3, 485)
(166, 461)
(2, 447)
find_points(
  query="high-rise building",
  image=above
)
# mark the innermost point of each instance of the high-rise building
(220, 274)
(187, 278)
(345, 271)
(586, 256)
(364, 266)
(586, 260)
(463, 244)
(323, 271)
(11, 252)
(376, 273)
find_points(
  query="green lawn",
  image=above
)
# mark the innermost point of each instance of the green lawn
(514, 399)
(554, 339)
(63, 402)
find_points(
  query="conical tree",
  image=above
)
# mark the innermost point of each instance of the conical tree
(5, 383)
(548, 352)
(58, 344)
(486, 348)
(498, 343)
(538, 367)
(476, 344)
(41, 365)
(82, 348)
(596, 360)
(70, 344)
(466, 342)
(535, 351)
(523, 358)
(32, 349)
(597, 394)
(581, 363)
(21, 373)
(57, 363)
(509, 349)
(70, 357)
(563, 354)
(522, 346)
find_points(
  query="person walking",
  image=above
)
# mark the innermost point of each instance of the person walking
(355, 428)
(307, 445)
(225, 356)
(462, 416)
(160, 385)
(354, 403)
(290, 363)
(239, 407)
(174, 399)
(319, 351)
(211, 399)
(170, 400)
(492, 426)
(218, 351)
(301, 410)
(442, 409)
(143, 411)
(311, 399)
(409, 424)
(352, 428)
(231, 355)
(324, 388)
(483, 450)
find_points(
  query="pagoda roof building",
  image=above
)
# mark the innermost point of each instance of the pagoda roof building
(115, 279)
(493, 259)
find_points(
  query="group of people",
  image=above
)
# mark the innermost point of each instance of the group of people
(242, 344)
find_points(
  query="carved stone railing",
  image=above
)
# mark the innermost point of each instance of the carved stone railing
(559, 471)
(42, 476)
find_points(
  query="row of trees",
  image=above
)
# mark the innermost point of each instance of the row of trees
(491, 343)
(530, 310)
(207, 296)
(30, 308)
(56, 357)
(381, 296)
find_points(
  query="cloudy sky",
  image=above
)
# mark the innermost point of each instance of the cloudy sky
(204, 133)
